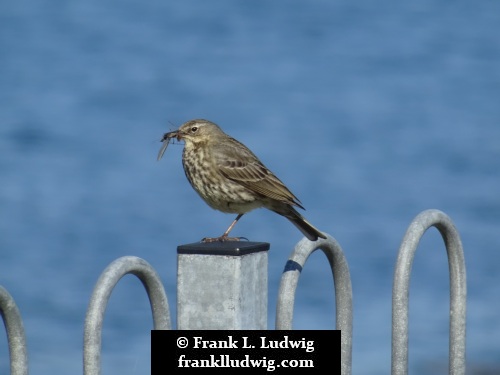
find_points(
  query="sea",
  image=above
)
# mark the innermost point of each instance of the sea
(370, 112)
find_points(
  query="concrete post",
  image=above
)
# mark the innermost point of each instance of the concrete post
(222, 285)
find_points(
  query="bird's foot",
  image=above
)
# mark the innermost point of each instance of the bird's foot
(223, 238)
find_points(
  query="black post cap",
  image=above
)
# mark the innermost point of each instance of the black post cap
(234, 248)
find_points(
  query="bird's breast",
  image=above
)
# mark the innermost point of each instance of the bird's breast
(216, 190)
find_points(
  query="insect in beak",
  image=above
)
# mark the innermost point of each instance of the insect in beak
(166, 140)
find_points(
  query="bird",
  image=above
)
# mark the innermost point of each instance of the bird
(230, 178)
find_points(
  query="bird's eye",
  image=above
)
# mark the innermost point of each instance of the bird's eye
(194, 129)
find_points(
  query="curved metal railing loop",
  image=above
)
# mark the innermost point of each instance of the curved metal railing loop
(401, 287)
(99, 299)
(343, 290)
(15, 333)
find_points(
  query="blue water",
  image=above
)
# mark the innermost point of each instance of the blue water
(369, 112)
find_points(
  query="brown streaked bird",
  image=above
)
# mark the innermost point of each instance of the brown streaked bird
(230, 178)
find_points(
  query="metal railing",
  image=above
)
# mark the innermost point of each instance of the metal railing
(284, 314)
(18, 350)
(99, 301)
(401, 289)
(343, 291)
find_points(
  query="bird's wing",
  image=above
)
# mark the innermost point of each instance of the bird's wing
(242, 166)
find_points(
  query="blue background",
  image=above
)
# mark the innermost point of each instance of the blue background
(369, 112)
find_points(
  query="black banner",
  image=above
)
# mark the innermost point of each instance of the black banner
(250, 352)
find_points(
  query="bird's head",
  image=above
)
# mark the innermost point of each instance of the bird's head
(193, 133)
(197, 131)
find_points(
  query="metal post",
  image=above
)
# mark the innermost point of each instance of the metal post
(401, 290)
(222, 285)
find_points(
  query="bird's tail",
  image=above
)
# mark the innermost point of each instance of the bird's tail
(301, 223)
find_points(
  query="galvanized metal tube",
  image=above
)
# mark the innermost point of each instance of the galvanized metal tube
(15, 333)
(401, 287)
(99, 299)
(343, 290)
